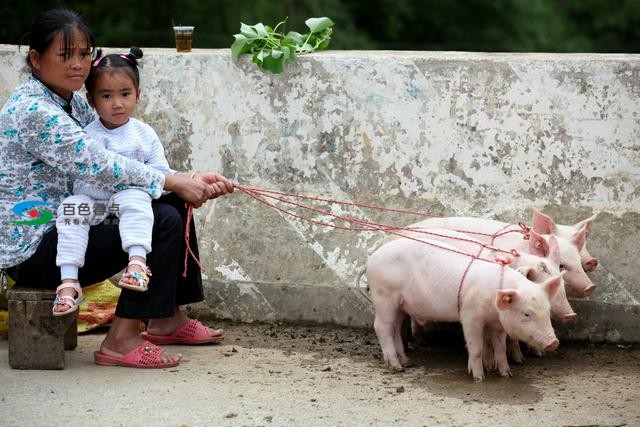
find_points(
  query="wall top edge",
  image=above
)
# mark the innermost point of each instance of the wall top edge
(398, 54)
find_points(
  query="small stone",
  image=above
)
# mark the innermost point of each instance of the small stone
(400, 389)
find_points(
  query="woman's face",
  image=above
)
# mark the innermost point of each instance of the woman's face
(63, 71)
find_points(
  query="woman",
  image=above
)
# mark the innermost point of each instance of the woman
(43, 148)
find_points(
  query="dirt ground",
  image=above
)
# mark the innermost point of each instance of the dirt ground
(274, 375)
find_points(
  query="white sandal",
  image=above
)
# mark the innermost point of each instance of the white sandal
(141, 278)
(72, 302)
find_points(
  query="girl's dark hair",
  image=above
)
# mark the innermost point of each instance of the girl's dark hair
(48, 24)
(126, 63)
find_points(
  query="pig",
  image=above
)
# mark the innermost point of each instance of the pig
(544, 224)
(507, 237)
(536, 268)
(422, 279)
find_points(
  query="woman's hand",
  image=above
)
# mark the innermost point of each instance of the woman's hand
(218, 184)
(191, 190)
(198, 188)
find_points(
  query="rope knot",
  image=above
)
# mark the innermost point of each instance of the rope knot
(524, 230)
(503, 260)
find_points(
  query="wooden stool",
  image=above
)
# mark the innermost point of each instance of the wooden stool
(37, 339)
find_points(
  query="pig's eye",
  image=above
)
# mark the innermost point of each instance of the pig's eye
(526, 315)
(562, 267)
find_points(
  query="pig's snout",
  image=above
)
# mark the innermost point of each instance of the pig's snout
(588, 291)
(568, 317)
(552, 345)
(590, 264)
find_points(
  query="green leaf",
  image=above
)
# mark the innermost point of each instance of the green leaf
(261, 30)
(275, 65)
(289, 53)
(247, 31)
(294, 38)
(318, 24)
(239, 46)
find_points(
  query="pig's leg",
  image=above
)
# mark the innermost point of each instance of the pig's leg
(488, 360)
(417, 330)
(397, 337)
(473, 329)
(384, 325)
(499, 341)
(513, 350)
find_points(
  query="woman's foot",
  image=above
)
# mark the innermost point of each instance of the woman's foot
(124, 336)
(169, 325)
(68, 297)
(136, 277)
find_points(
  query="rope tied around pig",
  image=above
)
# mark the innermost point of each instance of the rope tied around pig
(264, 196)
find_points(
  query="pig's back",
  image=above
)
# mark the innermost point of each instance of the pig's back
(422, 277)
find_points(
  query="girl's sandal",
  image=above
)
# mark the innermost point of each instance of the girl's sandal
(140, 278)
(72, 302)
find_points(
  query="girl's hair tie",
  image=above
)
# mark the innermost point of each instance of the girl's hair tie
(134, 54)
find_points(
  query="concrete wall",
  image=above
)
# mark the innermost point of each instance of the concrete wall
(473, 134)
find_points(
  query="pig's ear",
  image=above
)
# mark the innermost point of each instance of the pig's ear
(505, 298)
(587, 224)
(542, 223)
(552, 285)
(579, 238)
(554, 250)
(528, 271)
(537, 245)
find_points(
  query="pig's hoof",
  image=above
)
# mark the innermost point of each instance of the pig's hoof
(478, 379)
(519, 359)
(396, 369)
(506, 374)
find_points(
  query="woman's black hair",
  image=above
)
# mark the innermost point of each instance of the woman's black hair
(48, 24)
(127, 63)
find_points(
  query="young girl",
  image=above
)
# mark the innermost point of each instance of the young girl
(113, 89)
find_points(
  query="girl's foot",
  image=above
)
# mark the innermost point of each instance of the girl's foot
(136, 276)
(69, 297)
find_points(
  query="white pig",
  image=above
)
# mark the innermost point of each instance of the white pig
(544, 224)
(422, 280)
(536, 268)
(509, 237)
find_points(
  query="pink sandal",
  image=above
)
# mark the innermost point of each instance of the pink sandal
(192, 332)
(72, 302)
(141, 278)
(146, 355)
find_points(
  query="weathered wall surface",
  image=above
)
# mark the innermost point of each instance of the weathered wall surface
(472, 134)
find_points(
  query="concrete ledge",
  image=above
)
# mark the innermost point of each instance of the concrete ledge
(284, 302)
(345, 306)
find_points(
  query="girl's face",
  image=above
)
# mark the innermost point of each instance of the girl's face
(63, 76)
(114, 97)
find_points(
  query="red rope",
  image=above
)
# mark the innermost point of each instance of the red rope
(187, 233)
(260, 195)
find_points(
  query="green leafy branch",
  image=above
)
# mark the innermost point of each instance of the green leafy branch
(271, 49)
